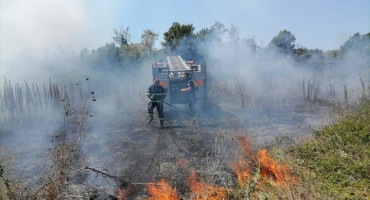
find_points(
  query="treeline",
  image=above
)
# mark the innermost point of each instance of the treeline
(181, 39)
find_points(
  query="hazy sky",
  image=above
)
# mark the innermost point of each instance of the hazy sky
(44, 25)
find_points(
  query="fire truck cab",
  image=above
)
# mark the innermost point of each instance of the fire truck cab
(171, 74)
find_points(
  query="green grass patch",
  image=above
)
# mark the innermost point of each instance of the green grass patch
(339, 156)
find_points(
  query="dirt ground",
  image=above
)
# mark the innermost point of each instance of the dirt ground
(121, 150)
(205, 143)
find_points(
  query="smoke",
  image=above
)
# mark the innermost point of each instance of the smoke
(41, 45)
(233, 56)
(267, 69)
(36, 31)
(267, 90)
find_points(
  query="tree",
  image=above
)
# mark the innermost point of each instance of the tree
(130, 54)
(121, 37)
(251, 44)
(105, 56)
(218, 27)
(203, 33)
(301, 54)
(147, 39)
(357, 43)
(233, 35)
(215, 33)
(176, 33)
(284, 41)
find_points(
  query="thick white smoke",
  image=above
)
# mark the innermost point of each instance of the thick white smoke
(32, 32)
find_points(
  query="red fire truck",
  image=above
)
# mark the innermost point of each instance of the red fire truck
(171, 74)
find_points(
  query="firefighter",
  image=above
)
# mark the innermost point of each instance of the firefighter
(189, 91)
(156, 93)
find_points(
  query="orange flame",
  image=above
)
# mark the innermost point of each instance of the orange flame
(121, 195)
(205, 191)
(243, 167)
(242, 171)
(270, 168)
(161, 191)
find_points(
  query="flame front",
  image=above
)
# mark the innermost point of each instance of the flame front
(242, 171)
(205, 191)
(242, 167)
(249, 164)
(270, 168)
(161, 190)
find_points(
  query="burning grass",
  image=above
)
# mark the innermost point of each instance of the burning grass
(161, 190)
(273, 171)
(205, 191)
(253, 172)
(122, 195)
(261, 165)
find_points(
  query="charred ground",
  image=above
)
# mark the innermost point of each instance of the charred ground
(100, 148)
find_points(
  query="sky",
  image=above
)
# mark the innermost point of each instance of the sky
(41, 26)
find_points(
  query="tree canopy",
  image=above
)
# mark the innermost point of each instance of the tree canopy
(148, 39)
(176, 33)
(284, 41)
(181, 39)
(358, 43)
(121, 37)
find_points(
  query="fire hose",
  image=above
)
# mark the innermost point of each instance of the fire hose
(170, 105)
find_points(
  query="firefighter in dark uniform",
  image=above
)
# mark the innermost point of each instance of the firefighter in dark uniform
(189, 91)
(156, 93)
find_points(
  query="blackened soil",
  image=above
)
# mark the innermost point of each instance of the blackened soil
(203, 142)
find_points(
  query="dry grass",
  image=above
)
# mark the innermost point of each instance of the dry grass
(9, 186)
(22, 105)
(77, 105)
